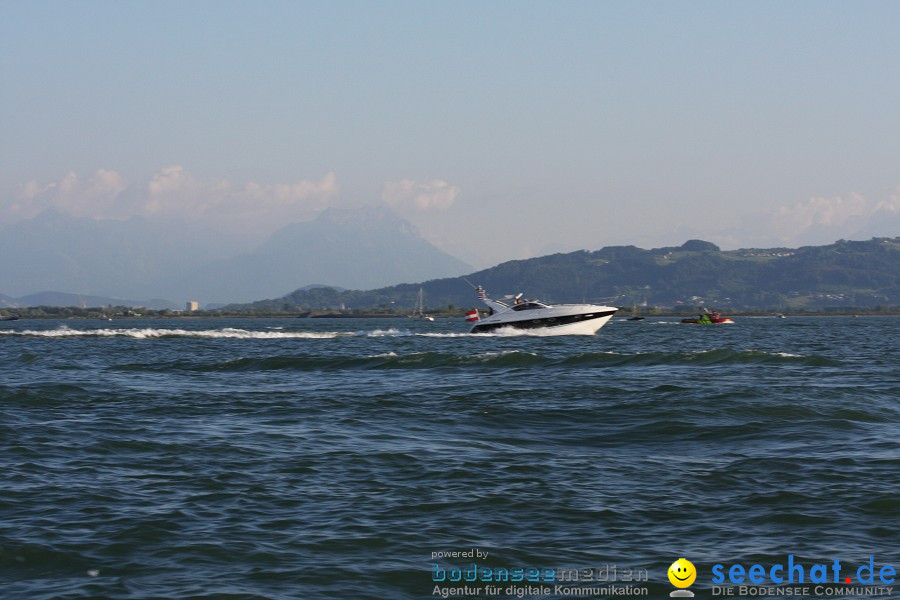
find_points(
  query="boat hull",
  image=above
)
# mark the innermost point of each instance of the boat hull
(580, 323)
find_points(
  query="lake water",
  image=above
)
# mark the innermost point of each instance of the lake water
(318, 458)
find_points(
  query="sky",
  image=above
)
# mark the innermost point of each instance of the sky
(500, 129)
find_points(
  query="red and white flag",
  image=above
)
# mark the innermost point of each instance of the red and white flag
(472, 315)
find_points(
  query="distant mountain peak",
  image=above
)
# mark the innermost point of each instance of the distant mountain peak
(358, 248)
(362, 247)
(366, 217)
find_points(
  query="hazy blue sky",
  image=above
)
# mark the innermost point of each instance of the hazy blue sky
(502, 129)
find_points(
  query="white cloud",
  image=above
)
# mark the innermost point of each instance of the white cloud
(173, 193)
(821, 220)
(436, 194)
(83, 198)
(826, 212)
(892, 204)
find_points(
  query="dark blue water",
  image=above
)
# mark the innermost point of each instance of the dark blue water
(297, 458)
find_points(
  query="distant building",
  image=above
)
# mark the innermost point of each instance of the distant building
(192, 305)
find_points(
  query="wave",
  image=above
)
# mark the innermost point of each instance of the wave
(511, 359)
(720, 356)
(387, 360)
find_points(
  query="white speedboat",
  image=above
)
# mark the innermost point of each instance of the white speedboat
(562, 319)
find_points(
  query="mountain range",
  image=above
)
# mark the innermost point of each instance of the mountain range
(143, 258)
(864, 274)
(362, 248)
(329, 260)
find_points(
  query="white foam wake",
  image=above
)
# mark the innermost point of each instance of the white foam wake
(278, 333)
(151, 333)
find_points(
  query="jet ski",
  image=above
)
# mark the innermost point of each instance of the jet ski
(562, 319)
(708, 317)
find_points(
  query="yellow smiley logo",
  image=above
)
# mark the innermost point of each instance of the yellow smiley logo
(682, 573)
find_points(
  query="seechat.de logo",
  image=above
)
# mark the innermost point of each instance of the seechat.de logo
(795, 572)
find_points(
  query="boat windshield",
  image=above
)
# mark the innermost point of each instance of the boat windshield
(528, 306)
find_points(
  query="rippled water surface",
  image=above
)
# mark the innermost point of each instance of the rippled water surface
(298, 458)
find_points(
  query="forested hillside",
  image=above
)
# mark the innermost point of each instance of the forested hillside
(864, 274)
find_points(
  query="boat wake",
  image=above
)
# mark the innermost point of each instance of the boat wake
(151, 333)
(271, 334)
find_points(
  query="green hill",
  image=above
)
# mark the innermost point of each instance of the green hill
(859, 274)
